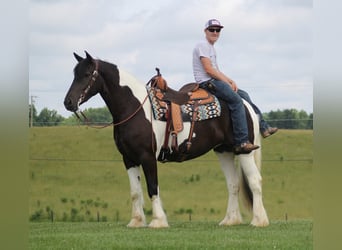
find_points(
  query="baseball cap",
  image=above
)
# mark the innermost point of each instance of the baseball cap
(213, 22)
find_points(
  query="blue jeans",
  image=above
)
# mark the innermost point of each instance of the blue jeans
(236, 107)
(263, 124)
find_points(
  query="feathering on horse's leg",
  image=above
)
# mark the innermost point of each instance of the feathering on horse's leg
(159, 219)
(138, 216)
(254, 179)
(233, 215)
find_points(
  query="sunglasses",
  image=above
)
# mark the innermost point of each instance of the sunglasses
(213, 30)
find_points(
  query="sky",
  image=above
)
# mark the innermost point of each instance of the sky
(265, 46)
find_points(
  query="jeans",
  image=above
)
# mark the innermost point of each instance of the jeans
(263, 124)
(223, 91)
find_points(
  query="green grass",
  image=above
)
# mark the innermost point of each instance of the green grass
(77, 173)
(190, 235)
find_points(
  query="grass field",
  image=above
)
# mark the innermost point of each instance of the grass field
(76, 174)
(190, 235)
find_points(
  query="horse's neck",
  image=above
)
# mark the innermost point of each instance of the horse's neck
(121, 97)
(138, 88)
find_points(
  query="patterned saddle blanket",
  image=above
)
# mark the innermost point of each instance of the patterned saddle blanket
(207, 108)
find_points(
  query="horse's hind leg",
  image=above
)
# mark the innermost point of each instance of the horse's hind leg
(138, 216)
(233, 216)
(252, 173)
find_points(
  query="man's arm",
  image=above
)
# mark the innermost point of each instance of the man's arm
(217, 74)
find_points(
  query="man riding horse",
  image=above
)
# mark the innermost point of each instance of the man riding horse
(207, 74)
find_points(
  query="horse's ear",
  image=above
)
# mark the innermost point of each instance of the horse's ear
(89, 57)
(78, 58)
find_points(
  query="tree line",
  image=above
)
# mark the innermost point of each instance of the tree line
(283, 119)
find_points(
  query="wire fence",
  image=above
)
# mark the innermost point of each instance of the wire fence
(280, 159)
(280, 123)
(306, 124)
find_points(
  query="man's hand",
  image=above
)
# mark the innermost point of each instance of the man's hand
(233, 85)
(216, 74)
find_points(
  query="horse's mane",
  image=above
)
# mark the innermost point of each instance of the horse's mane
(108, 66)
(111, 71)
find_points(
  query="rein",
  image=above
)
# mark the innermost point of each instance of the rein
(86, 120)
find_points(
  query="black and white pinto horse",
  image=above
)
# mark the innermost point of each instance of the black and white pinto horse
(139, 137)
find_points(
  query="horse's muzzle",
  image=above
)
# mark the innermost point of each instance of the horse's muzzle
(70, 105)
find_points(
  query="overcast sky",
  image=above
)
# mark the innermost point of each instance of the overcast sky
(265, 46)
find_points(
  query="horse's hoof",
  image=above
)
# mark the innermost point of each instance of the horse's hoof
(231, 218)
(134, 223)
(230, 222)
(260, 223)
(158, 224)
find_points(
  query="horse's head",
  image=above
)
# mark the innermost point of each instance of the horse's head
(85, 84)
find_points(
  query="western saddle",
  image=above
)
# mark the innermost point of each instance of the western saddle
(188, 94)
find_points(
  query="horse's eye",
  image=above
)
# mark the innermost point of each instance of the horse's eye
(87, 74)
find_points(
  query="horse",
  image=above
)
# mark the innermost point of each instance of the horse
(139, 138)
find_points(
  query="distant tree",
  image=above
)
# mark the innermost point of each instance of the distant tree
(302, 120)
(71, 120)
(48, 118)
(285, 119)
(289, 119)
(98, 115)
(310, 122)
(94, 115)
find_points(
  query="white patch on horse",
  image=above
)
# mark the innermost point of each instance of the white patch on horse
(139, 91)
(138, 216)
(231, 172)
(159, 219)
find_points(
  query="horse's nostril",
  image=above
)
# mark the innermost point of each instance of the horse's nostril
(67, 103)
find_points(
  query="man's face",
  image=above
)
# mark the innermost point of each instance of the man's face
(212, 34)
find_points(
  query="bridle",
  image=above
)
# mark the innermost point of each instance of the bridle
(86, 90)
(90, 83)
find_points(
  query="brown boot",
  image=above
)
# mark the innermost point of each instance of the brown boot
(269, 131)
(245, 148)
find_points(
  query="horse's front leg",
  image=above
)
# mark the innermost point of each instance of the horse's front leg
(159, 219)
(233, 216)
(138, 216)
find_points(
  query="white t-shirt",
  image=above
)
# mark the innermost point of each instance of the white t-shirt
(203, 49)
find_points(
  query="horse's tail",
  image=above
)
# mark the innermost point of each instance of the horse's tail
(245, 190)
(257, 153)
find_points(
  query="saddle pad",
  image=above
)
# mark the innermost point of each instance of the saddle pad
(205, 111)
(159, 108)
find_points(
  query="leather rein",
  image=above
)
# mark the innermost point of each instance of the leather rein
(85, 118)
